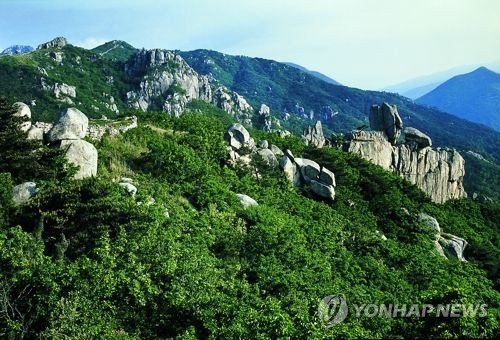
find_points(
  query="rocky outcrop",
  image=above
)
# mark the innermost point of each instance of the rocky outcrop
(17, 50)
(23, 111)
(70, 124)
(416, 139)
(129, 185)
(371, 145)
(58, 42)
(113, 127)
(445, 244)
(313, 135)
(95, 131)
(320, 179)
(82, 154)
(67, 133)
(246, 201)
(438, 172)
(264, 116)
(166, 78)
(64, 89)
(299, 171)
(386, 118)
(22, 193)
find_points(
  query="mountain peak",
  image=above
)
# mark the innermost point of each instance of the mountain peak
(58, 42)
(17, 49)
(483, 70)
(116, 50)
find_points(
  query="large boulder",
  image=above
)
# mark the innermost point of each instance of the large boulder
(22, 193)
(320, 189)
(23, 111)
(70, 124)
(82, 154)
(416, 139)
(240, 133)
(327, 177)
(438, 172)
(263, 144)
(386, 118)
(35, 133)
(290, 170)
(246, 201)
(277, 151)
(309, 169)
(430, 222)
(268, 157)
(454, 246)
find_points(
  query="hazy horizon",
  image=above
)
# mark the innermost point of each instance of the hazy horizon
(365, 44)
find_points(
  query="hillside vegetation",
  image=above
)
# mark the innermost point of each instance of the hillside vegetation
(284, 87)
(184, 259)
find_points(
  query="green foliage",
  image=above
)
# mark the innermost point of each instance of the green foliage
(89, 260)
(25, 160)
(115, 50)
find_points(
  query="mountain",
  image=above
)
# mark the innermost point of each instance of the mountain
(315, 74)
(151, 224)
(115, 50)
(17, 49)
(417, 87)
(286, 89)
(170, 239)
(60, 75)
(474, 96)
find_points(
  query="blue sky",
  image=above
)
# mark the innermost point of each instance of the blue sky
(364, 43)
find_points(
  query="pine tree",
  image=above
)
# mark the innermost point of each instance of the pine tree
(25, 160)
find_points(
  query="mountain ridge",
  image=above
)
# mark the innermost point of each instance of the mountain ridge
(474, 96)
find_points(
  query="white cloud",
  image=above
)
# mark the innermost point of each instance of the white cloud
(91, 42)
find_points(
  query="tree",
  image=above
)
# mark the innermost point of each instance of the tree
(25, 160)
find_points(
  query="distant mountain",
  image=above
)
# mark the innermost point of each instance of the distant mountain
(102, 86)
(315, 74)
(474, 96)
(116, 50)
(17, 49)
(340, 108)
(417, 87)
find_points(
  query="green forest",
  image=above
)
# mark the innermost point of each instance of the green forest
(184, 259)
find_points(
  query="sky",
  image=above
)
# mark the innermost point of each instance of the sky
(368, 44)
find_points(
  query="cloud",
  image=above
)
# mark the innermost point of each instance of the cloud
(91, 42)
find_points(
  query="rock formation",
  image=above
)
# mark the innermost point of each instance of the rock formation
(313, 135)
(299, 171)
(445, 243)
(386, 118)
(265, 117)
(22, 193)
(23, 111)
(58, 42)
(165, 77)
(246, 201)
(438, 172)
(67, 132)
(129, 185)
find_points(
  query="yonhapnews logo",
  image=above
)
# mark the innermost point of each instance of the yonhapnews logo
(333, 309)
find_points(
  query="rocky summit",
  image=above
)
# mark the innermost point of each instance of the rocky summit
(165, 78)
(438, 172)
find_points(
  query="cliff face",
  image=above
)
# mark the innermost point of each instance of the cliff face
(165, 79)
(438, 172)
